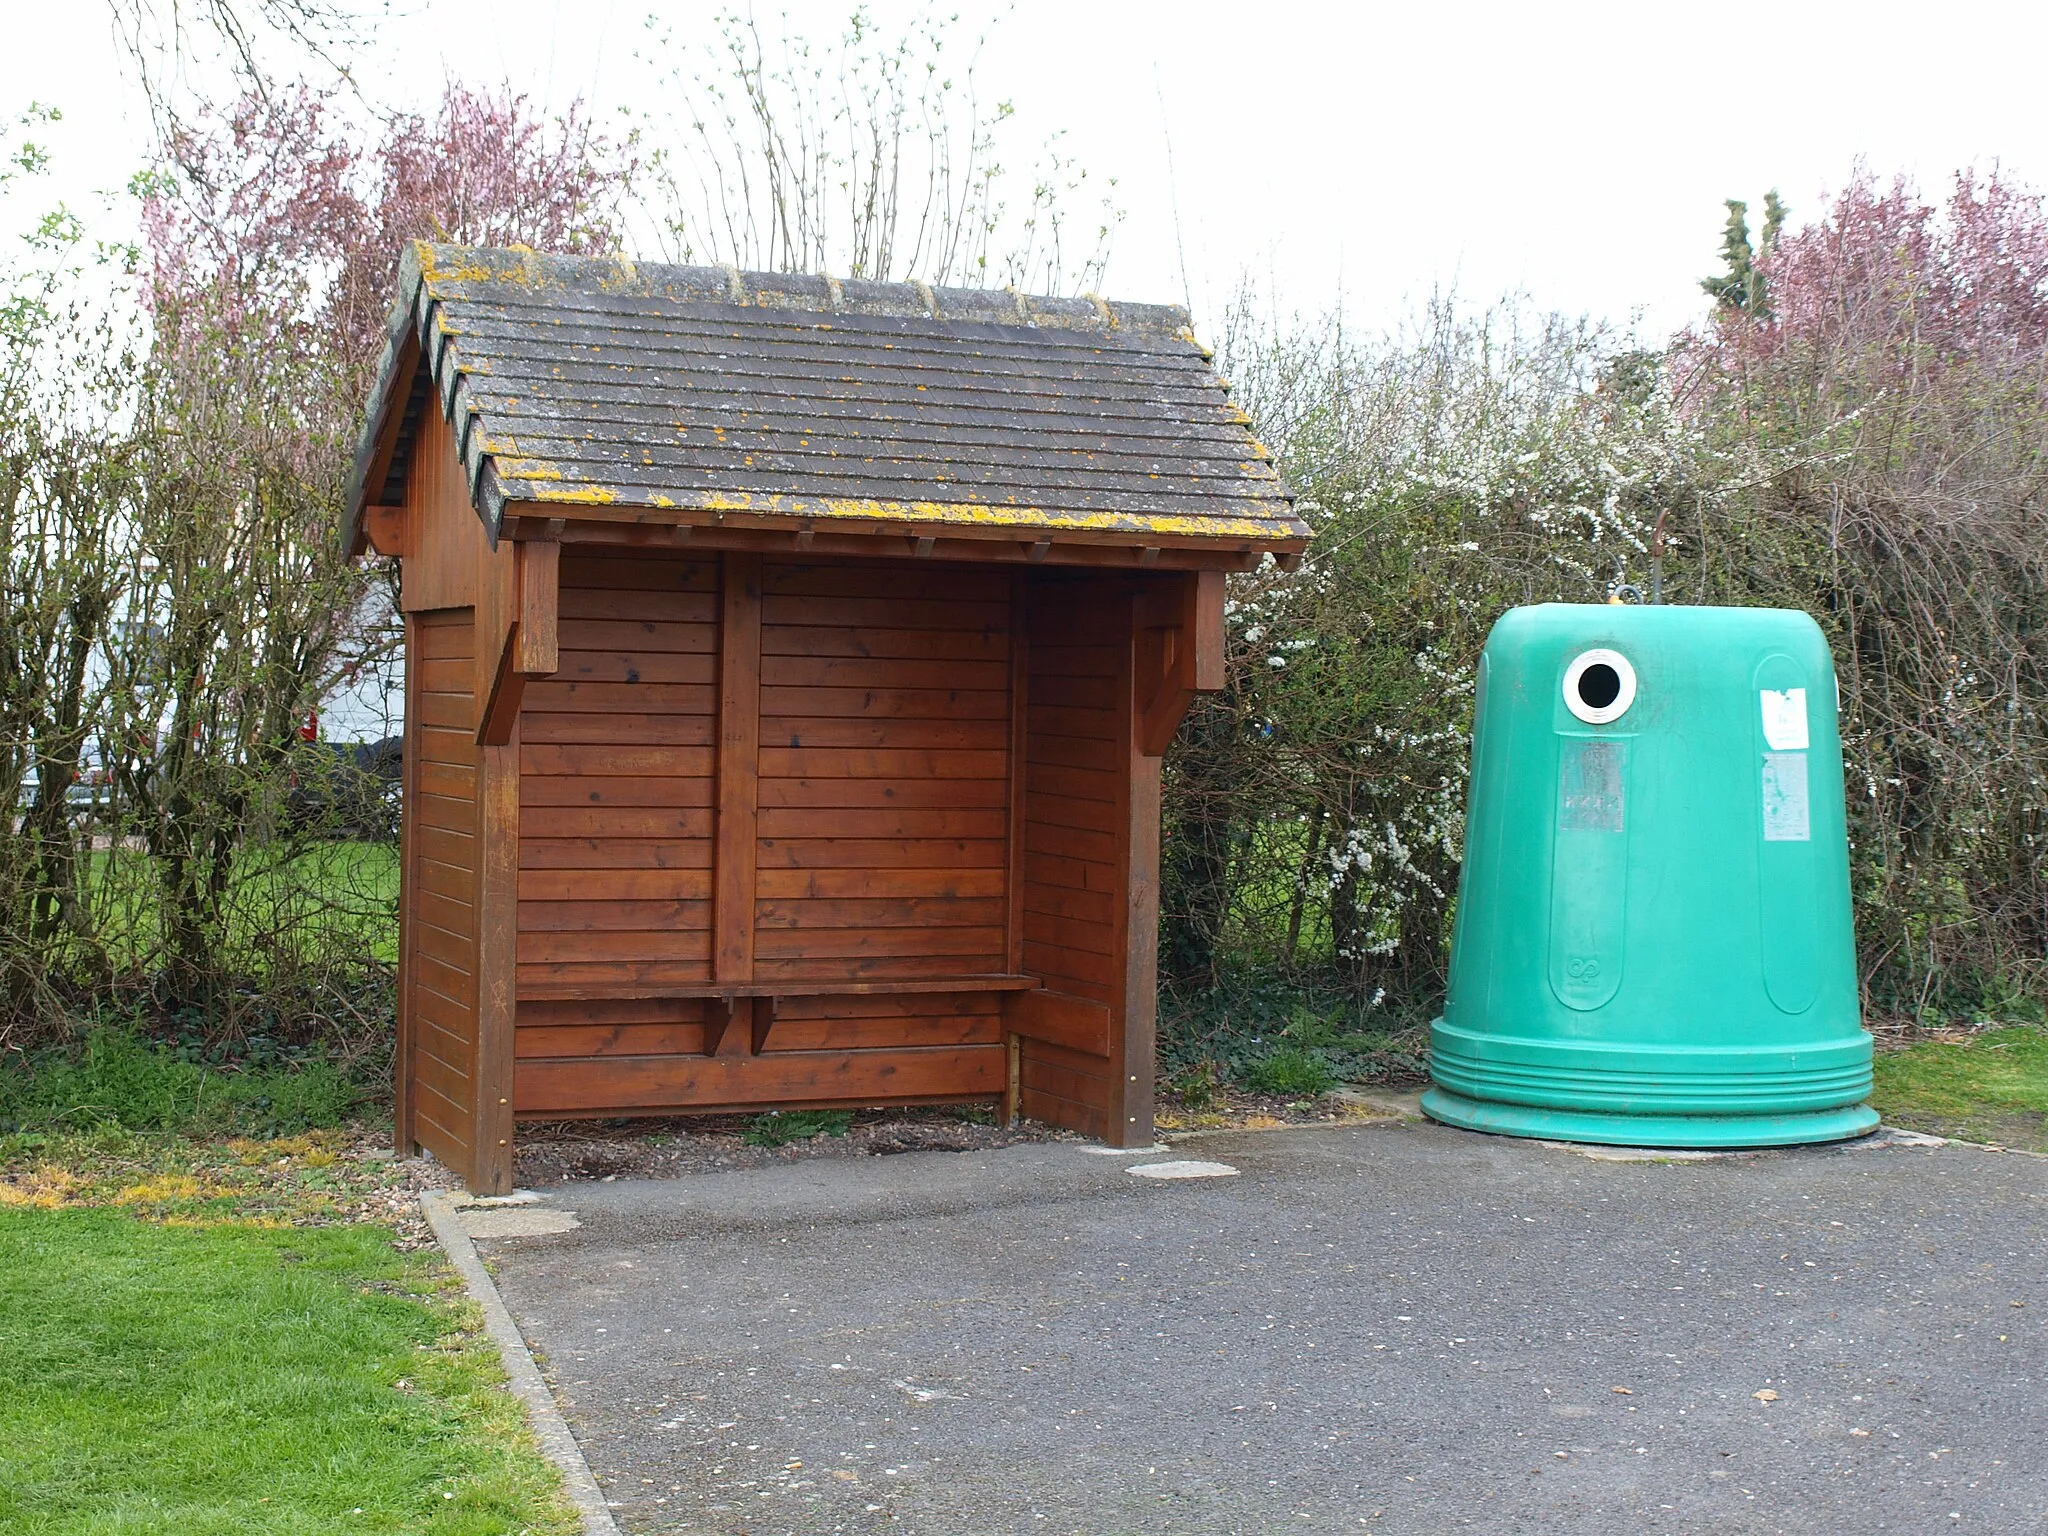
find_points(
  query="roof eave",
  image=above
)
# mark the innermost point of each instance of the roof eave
(395, 368)
(1278, 530)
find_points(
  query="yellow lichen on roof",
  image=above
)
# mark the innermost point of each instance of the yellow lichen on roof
(530, 469)
(1209, 525)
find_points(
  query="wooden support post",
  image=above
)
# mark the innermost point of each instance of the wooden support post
(1013, 867)
(1134, 1022)
(1134, 1046)
(763, 1021)
(517, 630)
(540, 598)
(503, 694)
(1020, 703)
(1179, 635)
(403, 1139)
(497, 960)
(739, 768)
(717, 1019)
(387, 529)
(730, 1027)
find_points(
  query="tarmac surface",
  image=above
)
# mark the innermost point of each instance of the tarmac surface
(1386, 1327)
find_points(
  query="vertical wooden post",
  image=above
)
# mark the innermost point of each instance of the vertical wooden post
(1020, 702)
(1134, 1020)
(497, 960)
(739, 769)
(1013, 866)
(402, 1139)
(540, 598)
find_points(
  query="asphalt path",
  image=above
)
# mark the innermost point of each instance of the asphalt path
(1392, 1327)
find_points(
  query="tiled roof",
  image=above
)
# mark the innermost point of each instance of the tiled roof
(625, 389)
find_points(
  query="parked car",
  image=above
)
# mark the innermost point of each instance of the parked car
(347, 790)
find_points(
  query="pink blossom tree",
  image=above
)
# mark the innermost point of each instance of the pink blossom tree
(227, 610)
(1888, 406)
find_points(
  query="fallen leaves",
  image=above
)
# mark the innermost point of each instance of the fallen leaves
(1765, 1396)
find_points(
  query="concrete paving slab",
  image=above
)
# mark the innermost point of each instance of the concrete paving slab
(1393, 1327)
(529, 1221)
(1184, 1168)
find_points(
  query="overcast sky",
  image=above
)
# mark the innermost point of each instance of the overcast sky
(1577, 152)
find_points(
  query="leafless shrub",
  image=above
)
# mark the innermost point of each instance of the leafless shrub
(869, 156)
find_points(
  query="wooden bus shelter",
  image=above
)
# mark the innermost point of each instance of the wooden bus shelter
(788, 664)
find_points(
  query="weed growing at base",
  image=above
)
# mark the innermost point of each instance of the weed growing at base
(1277, 1037)
(776, 1129)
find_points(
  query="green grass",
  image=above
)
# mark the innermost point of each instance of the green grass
(345, 892)
(116, 1080)
(1991, 1087)
(236, 1380)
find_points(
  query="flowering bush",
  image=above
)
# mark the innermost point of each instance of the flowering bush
(1863, 438)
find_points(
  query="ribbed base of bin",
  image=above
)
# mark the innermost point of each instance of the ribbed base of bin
(1616, 1130)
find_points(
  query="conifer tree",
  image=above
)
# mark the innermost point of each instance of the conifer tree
(1743, 285)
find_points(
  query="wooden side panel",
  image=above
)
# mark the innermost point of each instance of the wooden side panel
(883, 785)
(442, 866)
(1077, 859)
(411, 894)
(445, 543)
(617, 781)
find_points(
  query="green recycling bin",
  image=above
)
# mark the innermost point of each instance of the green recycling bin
(1653, 942)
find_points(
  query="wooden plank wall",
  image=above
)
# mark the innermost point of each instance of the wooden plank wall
(439, 1029)
(1077, 810)
(881, 822)
(884, 771)
(617, 778)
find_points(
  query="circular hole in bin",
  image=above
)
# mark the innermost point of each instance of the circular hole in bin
(1599, 686)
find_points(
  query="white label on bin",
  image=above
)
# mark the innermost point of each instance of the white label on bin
(1592, 792)
(1785, 719)
(1785, 816)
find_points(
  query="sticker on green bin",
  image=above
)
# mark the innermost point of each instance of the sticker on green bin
(1784, 718)
(1785, 815)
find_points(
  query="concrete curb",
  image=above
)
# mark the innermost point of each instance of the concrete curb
(527, 1383)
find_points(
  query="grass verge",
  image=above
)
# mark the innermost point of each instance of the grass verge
(253, 1336)
(242, 1379)
(1990, 1085)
